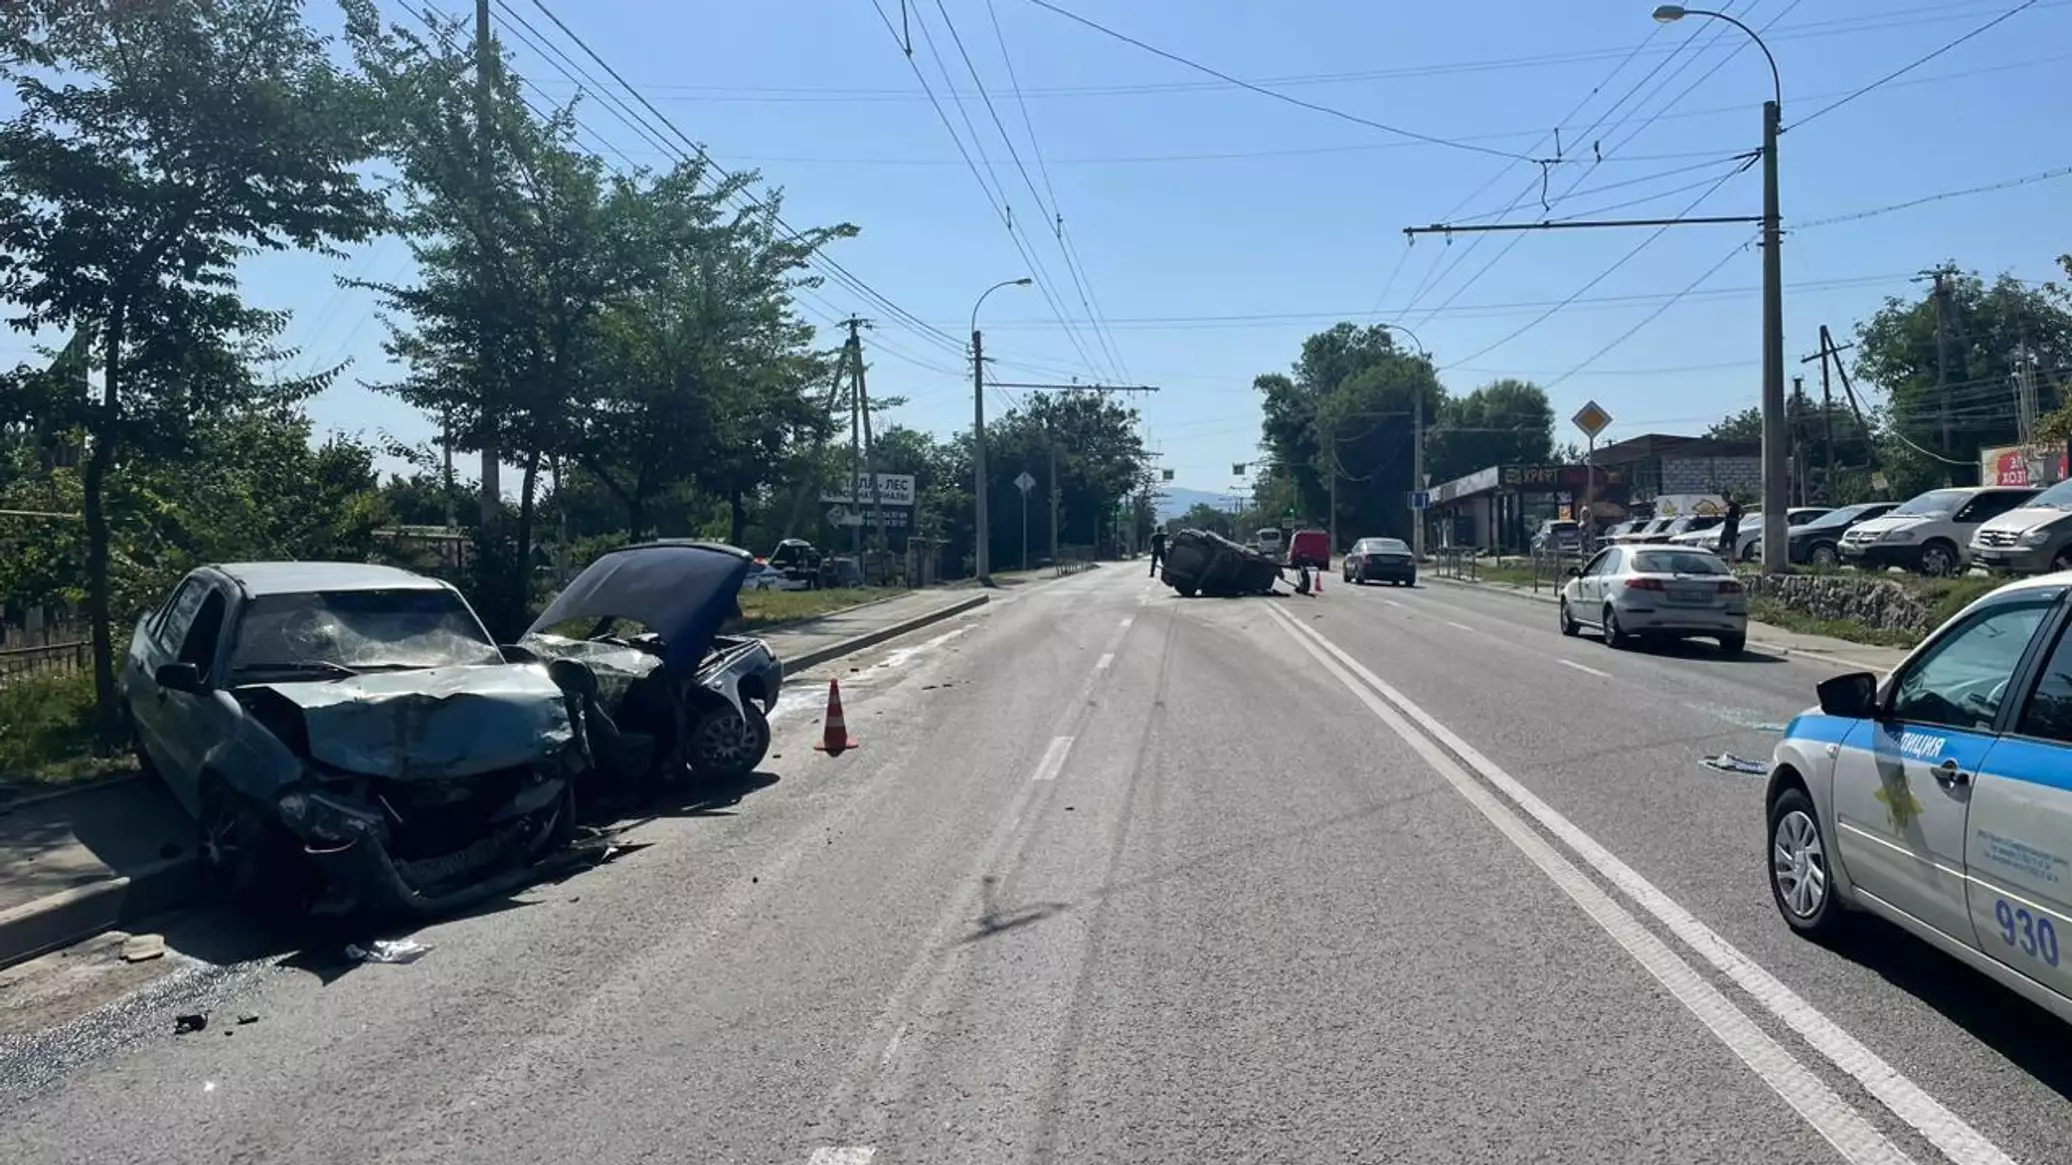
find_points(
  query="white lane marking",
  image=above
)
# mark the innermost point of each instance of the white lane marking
(1603, 675)
(892, 1046)
(1461, 626)
(1102, 663)
(1128, 619)
(1946, 1130)
(1053, 759)
(1392, 602)
(843, 1155)
(1832, 1117)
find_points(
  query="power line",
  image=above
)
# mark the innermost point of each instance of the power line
(1263, 91)
(1649, 318)
(819, 260)
(1911, 66)
(2006, 184)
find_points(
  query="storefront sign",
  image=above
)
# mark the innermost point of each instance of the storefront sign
(2017, 465)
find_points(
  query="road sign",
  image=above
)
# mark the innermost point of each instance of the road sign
(1421, 499)
(894, 489)
(1591, 419)
(1167, 474)
(1024, 483)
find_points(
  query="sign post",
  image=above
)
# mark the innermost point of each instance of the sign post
(1592, 420)
(1025, 483)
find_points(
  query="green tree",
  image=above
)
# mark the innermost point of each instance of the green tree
(1959, 384)
(1746, 425)
(1503, 422)
(186, 135)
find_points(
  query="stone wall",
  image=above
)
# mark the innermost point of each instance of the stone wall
(1712, 475)
(1868, 602)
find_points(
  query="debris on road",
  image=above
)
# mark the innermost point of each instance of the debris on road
(1727, 762)
(400, 950)
(184, 1024)
(142, 948)
(244, 1020)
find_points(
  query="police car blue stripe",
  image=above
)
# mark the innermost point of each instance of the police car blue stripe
(1820, 728)
(2033, 761)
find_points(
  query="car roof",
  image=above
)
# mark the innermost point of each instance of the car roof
(2034, 583)
(298, 578)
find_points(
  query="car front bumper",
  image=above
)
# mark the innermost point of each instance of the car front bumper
(1882, 554)
(2016, 559)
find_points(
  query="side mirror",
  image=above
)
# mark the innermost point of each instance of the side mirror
(178, 677)
(1853, 696)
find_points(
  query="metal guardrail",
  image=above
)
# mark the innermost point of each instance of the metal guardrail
(1459, 562)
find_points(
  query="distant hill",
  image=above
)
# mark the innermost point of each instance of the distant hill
(1178, 500)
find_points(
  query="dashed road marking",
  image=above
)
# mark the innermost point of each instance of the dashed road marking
(843, 1155)
(1128, 619)
(1458, 626)
(1102, 663)
(1603, 675)
(1053, 759)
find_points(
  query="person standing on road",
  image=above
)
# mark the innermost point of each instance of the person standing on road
(1730, 529)
(1158, 541)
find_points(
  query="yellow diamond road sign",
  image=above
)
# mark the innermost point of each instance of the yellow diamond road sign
(1591, 419)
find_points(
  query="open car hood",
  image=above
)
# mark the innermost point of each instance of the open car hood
(432, 722)
(682, 591)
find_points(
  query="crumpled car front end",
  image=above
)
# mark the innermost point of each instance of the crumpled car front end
(420, 791)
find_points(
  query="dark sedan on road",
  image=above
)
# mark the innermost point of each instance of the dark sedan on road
(1387, 559)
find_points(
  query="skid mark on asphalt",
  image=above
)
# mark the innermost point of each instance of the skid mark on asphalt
(1821, 1107)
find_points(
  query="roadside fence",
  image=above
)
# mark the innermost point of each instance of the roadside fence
(1461, 562)
(58, 648)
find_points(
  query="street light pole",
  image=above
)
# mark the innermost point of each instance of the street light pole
(1417, 448)
(1776, 443)
(982, 555)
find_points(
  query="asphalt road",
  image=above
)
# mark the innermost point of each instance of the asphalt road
(1388, 875)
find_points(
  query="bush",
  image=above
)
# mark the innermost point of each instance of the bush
(46, 728)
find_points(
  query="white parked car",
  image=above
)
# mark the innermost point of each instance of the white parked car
(1938, 798)
(1666, 592)
(1932, 531)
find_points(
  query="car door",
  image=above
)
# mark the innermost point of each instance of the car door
(159, 643)
(2019, 837)
(195, 723)
(1903, 780)
(1590, 587)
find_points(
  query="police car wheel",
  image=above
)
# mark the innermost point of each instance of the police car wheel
(1800, 881)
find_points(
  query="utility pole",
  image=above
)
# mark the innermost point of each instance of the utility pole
(863, 409)
(1417, 475)
(485, 162)
(1798, 445)
(982, 554)
(1827, 429)
(1052, 442)
(849, 353)
(1941, 295)
(1776, 445)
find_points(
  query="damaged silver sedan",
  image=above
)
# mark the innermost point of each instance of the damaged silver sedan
(349, 728)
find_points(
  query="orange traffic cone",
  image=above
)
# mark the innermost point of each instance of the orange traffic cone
(835, 737)
(1321, 572)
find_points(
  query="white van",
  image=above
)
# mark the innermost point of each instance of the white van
(1932, 532)
(1270, 541)
(2032, 538)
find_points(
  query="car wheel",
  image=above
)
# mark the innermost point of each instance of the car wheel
(726, 743)
(2063, 560)
(1614, 635)
(1187, 590)
(1824, 557)
(1938, 559)
(1800, 881)
(1733, 644)
(249, 859)
(1569, 626)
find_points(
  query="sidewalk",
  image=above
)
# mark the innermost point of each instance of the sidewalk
(1839, 651)
(74, 864)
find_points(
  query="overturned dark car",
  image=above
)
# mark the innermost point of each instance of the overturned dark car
(663, 696)
(350, 731)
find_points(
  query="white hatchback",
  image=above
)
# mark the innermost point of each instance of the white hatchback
(1666, 592)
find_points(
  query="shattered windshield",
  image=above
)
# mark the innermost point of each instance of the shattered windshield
(358, 631)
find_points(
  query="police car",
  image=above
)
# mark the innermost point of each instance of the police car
(1940, 798)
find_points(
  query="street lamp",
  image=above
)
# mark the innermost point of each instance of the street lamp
(1776, 455)
(978, 427)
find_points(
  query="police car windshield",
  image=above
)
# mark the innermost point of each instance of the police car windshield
(1935, 501)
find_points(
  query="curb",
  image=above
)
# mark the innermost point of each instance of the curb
(61, 919)
(1806, 652)
(75, 790)
(857, 643)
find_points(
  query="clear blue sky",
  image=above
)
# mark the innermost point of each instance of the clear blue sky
(1218, 227)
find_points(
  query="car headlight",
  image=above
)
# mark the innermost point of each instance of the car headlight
(2036, 537)
(1899, 536)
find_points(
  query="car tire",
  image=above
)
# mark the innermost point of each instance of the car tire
(1939, 559)
(1569, 626)
(1187, 590)
(1614, 637)
(722, 746)
(1803, 888)
(2063, 560)
(1733, 644)
(249, 860)
(1823, 556)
